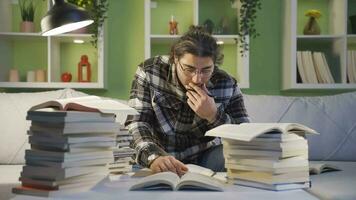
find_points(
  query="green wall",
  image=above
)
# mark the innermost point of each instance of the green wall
(125, 49)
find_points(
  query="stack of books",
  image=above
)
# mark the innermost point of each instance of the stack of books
(123, 154)
(271, 156)
(72, 142)
(351, 66)
(313, 68)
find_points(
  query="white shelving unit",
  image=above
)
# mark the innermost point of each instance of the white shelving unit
(333, 41)
(51, 54)
(152, 38)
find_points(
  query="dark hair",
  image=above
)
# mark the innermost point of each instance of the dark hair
(199, 42)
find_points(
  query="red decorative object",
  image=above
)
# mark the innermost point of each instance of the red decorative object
(84, 69)
(173, 26)
(66, 77)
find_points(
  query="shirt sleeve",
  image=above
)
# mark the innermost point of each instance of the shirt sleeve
(140, 126)
(232, 113)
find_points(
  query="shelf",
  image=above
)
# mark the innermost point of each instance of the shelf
(54, 54)
(320, 36)
(167, 39)
(324, 86)
(49, 85)
(324, 54)
(158, 41)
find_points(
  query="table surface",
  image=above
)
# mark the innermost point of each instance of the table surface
(119, 189)
(338, 185)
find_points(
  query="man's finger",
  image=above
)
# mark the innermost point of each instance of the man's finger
(197, 89)
(191, 104)
(162, 167)
(170, 166)
(193, 96)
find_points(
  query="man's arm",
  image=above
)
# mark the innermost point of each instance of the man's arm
(140, 125)
(234, 112)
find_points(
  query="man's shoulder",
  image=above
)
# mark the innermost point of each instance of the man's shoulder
(221, 77)
(155, 63)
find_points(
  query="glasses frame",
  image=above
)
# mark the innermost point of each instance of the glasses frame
(196, 71)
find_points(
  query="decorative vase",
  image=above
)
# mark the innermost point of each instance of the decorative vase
(27, 27)
(14, 75)
(40, 75)
(312, 27)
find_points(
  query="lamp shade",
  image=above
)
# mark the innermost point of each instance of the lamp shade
(64, 17)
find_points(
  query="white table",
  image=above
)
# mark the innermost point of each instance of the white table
(118, 189)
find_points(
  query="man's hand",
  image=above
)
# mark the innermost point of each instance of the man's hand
(201, 103)
(168, 163)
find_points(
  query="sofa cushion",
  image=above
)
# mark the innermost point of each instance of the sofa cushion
(334, 117)
(13, 109)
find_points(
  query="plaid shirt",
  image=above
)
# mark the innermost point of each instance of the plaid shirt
(166, 125)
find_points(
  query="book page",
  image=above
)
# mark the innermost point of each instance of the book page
(163, 180)
(194, 181)
(61, 103)
(318, 167)
(199, 170)
(249, 131)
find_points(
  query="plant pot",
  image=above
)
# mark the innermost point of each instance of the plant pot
(353, 24)
(312, 27)
(27, 27)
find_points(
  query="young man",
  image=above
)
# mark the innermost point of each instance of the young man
(178, 100)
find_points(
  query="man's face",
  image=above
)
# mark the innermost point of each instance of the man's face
(194, 69)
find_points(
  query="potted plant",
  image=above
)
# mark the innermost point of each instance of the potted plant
(248, 11)
(98, 10)
(27, 10)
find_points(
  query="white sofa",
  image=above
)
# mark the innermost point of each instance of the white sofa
(334, 117)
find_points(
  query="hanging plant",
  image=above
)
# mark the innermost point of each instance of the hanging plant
(248, 15)
(98, 11)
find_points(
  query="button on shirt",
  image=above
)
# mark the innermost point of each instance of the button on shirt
(166, 125)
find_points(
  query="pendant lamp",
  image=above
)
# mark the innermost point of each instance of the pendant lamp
(64, 17)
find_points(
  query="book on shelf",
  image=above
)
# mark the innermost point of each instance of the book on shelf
(309, 66)
(313, 67)
(249, 131)
(171, 181)
(351, 66)
(320, 167)
(330, 78)
(322, 68)
(301, 68)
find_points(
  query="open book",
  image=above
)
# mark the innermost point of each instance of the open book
(89, 104)
(318, 167)
(171, 181)
(249, 131)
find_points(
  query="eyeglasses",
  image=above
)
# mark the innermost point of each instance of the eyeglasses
(190, 71)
